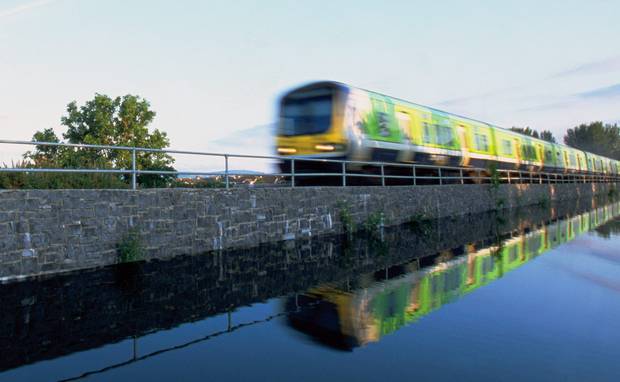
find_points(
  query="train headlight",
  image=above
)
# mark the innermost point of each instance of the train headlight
(328, 147)
(286, 150)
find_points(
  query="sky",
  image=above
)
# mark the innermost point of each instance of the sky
(213, 70)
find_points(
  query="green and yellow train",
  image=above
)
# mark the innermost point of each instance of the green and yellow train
(345, 320)
(334, 120)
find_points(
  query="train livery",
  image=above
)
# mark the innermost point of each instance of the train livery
(334, 120)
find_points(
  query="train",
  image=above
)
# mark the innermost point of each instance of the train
(333, 120)
(344, 319)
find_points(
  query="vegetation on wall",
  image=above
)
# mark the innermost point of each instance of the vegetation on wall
(130, 248)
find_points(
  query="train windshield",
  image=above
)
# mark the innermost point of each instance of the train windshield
(307, 112)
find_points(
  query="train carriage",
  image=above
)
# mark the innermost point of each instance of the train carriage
(334, 120)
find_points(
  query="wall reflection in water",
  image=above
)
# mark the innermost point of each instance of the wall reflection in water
(342, 317)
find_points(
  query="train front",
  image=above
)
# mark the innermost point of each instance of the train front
(311, 127)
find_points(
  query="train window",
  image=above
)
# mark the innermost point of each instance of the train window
(404, 122)
(482, 143)
(529, 152)
(444, 135)
(507, 147)
(426, 133)
(307, 112)
(548, 156)
(384, 124)
(573, 161)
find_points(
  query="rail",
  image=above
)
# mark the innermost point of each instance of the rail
(340, 172)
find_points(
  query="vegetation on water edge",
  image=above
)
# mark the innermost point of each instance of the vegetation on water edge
(130, 248)
(346, 218)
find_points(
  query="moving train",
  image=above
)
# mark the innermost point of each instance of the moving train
(346, 319)
(337, 121)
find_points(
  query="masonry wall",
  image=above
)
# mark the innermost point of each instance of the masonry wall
(49, 231)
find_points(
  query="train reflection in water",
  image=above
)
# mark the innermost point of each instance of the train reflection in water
(344, 318)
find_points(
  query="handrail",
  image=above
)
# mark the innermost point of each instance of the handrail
(443, 176)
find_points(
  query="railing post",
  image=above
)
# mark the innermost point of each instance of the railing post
(226, 171)
(509, 180)
(293, 172)
(133, 169)
(461, 175)
(382, 175)
(440, 178)
(344, 174)
(414, 176)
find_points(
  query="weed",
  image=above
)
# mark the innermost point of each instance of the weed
(495, 178)
(130, 249)
(373, 222)
(346, 218)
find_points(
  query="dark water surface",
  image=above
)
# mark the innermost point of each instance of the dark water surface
(530, 294)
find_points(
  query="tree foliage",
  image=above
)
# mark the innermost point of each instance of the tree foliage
(120, 121)
(595, 137)
(545, 135)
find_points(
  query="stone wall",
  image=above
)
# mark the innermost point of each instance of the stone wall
(49, 231)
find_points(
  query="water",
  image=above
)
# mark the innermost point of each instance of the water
(530, 294)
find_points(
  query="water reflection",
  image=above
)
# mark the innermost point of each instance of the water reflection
(338, 316)
(343, 293)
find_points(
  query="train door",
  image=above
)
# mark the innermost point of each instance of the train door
(517, 143)
(540, 153)
(462, 134)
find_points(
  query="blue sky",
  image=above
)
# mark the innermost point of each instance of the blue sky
(212, 69)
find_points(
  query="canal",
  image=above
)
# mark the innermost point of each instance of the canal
(526, 294)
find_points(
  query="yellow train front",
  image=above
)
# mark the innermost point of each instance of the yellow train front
(330, 120)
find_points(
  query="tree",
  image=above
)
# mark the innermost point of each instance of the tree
(120, 121)
(525, 131)
(595, 137)
(545, 135)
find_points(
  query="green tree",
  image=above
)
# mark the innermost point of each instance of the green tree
(595, 137)
(525, 131)
(45, 156)
(120, 121)
(545, 135)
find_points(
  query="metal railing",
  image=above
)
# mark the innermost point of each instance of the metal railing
(345, 171)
